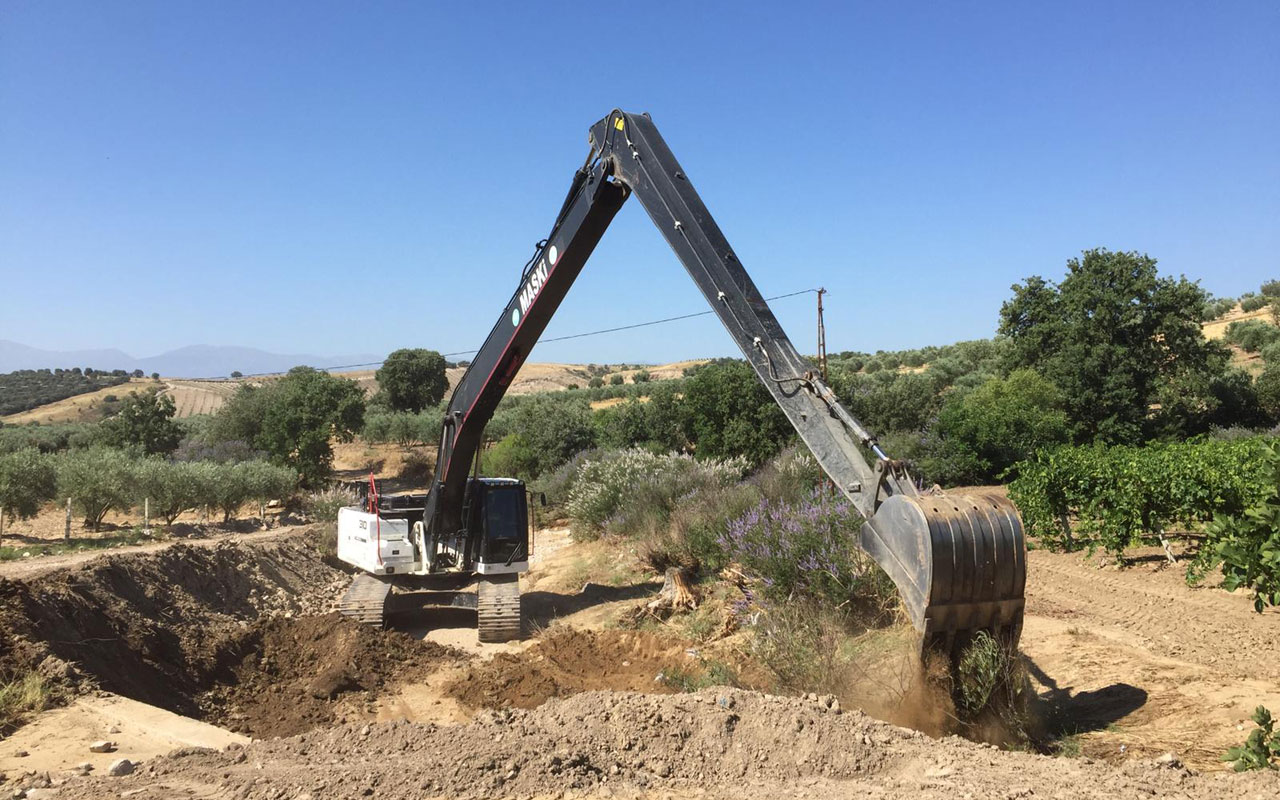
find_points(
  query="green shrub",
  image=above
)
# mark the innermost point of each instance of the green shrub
(1252, 302)
(1262, 749)
(98, 480)
(27, 481)
(985, 432)
(728, 413)
(1118, 495)
(640, 377)
(616, 380)
(1251, 335)
(323, 505)
(807, 548)
(512, 457)
(635, 479)
(553, 427)
(1245, 543)
(1218, 307)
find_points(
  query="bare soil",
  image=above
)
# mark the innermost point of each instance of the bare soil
(721, 743)
(1128, 664)
(568, 661)
(1138, 664)
(287, 676)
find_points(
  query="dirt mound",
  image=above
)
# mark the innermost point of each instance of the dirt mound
(153, 627)
(725, 742)
(286, 676)
(567, 661)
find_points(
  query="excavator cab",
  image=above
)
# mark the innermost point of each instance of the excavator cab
(500, 513)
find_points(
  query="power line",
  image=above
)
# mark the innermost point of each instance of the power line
(542, 341)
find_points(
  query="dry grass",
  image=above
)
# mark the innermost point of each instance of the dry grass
(21, 696)
(87, 407)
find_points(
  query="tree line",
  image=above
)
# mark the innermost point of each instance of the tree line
(26, 389)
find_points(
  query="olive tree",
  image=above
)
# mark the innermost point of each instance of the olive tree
(27, 481)
(98, 480)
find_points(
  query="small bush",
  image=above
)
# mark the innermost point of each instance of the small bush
(417, 466)
(322, 506)
(27, 481)
(1218, 308)
(21, 696)
(616, 380)
(640, 482)
(808, 548)
(510, 458)
(1253, 303)
(1251, 335)
(641, 377)
(1262, 749)
(792, 475)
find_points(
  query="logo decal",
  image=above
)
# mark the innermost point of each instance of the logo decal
(533, 283)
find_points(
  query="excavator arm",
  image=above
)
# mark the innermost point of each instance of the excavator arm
(958, 562)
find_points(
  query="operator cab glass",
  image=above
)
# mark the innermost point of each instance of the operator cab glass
(502, 512)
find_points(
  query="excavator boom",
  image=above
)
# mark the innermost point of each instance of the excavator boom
(958, 562)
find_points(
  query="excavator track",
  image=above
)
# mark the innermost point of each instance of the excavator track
(498, 608)
(366, 600)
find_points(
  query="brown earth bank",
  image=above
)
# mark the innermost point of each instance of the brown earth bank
(282, 676)
(720, 743)
(1127, 664)
(567, 661)
(235, 634)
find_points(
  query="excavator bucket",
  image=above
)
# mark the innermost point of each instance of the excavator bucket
(959, 562)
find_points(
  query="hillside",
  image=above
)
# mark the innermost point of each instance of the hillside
(194, 396)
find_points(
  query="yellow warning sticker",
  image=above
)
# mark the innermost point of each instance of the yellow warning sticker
(618, 123)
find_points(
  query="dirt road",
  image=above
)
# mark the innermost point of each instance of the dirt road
(27, 568)
(1138, 663)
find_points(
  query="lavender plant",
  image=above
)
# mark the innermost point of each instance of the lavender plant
(806, 548)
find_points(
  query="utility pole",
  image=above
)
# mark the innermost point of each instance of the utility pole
(822, 338)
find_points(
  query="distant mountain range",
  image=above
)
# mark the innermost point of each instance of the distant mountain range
(194, 361)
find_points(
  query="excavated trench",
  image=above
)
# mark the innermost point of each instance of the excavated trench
(237, 635)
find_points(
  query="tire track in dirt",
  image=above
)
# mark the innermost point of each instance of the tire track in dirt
(1156, 609)
(1138, 664)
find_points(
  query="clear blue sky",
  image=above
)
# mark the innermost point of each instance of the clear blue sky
(354, 177)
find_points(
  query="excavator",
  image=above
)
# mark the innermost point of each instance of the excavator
(958, 562)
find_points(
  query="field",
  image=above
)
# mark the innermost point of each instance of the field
(195, 397)
(88, 407)
(228, 644)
